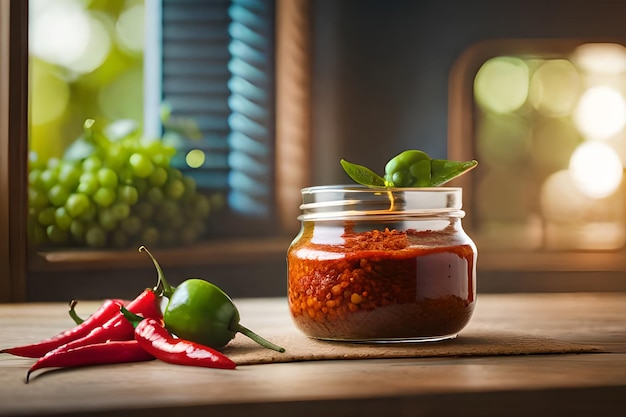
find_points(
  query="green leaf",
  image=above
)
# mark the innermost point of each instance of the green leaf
(362, 175)
(443, 170)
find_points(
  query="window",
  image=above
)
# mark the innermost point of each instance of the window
(547, 123)
(218, 66)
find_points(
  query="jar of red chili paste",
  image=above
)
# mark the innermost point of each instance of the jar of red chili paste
(381, 264)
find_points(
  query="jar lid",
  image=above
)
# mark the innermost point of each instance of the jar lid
(335, 202)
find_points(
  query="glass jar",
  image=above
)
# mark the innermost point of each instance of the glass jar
(376, 265)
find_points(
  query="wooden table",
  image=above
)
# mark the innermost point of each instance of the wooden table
(562, 384)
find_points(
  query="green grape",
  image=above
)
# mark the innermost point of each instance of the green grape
(53, 164)
(116, 157)
(158, 176)
(174, 189)
(48, 178)
(155, 195)
(120, 211)
(56, 234)
(95, 236)
(58, 195)
(92, 163)
(62, 218)
(78, 230)
(174, 173)
(88, 183)
(36, 233)
(77, 204)
(166, 211)
(126, 175)
(35, 180)
(127, 194)
(90, 213)
(46, 216)
(37, 199)
(69, 175)
(107, 219)
(142, 165)
(107, 178)
(190, 187)
(104, 197)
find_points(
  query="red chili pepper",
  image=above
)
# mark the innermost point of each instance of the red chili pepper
(79, 320)
(157, 341)
(117, 327)
(109, 309)
(119, 351)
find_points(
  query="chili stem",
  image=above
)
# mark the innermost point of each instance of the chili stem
(163, 288)
(261, 341)
(73, 314)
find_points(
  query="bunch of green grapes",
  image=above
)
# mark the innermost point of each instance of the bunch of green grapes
(113, 193)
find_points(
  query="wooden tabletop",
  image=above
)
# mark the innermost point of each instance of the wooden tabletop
(520, 385)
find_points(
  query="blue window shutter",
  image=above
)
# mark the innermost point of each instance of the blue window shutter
(218, 70)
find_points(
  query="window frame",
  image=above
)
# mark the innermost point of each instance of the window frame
(13, 148)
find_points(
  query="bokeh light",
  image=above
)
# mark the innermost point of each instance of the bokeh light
(64, 33)
(555, 87)
(601, 58)
(596, 169)
(501, 84)
(130, 28)
(59, 31)
(601, 112)
(561, 200)
(195, 158)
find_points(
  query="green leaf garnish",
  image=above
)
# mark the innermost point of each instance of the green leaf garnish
(362, 175)
(410, 169)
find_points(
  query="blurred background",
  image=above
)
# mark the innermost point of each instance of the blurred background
(213, 114)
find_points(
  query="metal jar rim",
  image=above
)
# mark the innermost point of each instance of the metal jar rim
(336, 202)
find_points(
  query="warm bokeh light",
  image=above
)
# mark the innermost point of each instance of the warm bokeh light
(195, 158)
(601, 112)
(601, 58)
(596, 169)
(555, 87)
(550, 134)
(501, 84)
(561, 200)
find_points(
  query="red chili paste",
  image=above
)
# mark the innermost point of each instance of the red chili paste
(382, 285)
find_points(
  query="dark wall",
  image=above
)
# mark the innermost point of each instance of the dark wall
(381, 67)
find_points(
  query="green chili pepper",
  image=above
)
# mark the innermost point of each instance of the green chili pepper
(199, 311)
(411, 168)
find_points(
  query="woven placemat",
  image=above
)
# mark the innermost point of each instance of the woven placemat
(477, 343)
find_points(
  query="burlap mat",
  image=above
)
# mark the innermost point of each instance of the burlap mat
(476, 343)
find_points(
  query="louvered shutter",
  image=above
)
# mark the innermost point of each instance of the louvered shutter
(217, 69)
